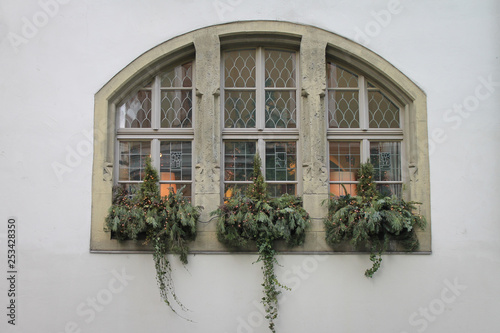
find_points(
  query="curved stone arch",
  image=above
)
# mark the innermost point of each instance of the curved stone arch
(315, 45)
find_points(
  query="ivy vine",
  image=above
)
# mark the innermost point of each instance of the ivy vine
(168, 223)
(255, 217)
(370, 220)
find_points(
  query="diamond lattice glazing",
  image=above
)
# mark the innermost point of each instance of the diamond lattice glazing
(383, 112)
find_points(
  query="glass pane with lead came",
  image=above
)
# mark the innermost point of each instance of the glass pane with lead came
(239, 109)
(135, 112)
(281, 109)
(280, 69)
(281, 161)
(239, 69)
(383, 113)
(277, 190)
(231, 189)
(238, 160)
(133, 156)
(175, 161)
(386, 159)
(338, 77)
(167, 188)
(343, 109)
(179, 76)
(345, 158)
(176, 109)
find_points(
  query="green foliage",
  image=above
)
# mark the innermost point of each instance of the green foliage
(167, 223)
(258, 189)
(370, 220)
(366, 187)
(255, 217)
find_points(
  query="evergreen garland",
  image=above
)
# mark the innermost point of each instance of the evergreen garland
(168, 223)
(254, 217)
(371, 220)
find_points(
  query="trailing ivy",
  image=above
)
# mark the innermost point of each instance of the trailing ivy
(255, 217)
(168, 223)
(370, 220)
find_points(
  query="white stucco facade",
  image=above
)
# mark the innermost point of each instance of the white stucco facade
(56, 55)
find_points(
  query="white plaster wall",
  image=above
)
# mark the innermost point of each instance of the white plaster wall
(47, 85)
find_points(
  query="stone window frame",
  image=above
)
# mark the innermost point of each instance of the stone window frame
(205, 46)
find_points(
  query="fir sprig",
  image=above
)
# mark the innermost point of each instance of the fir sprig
(371, 220)
(255, 217)
(168, 223)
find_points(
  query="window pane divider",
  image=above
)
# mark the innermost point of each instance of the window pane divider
(175, 88)
(261, 137)
(280, 88)
(260, 93)
(344, 89)
(166, 136)
(360, 136)
(155, 104)
(363, 104)
(240, 88)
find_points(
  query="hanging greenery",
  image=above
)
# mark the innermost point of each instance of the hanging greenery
(255, 217)
(168, 223)
(371, 220)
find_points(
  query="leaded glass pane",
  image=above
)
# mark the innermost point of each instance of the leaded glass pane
(345, 158)
(389, 190)
(180, 76)
(339, 189)
(281, 109)
(133, 155)
(281, 162)
(277, 190)
(239, 69)
(131, 188)
(136, 111)
(386, 160)
(176, 109)
(383, 112)
(232, 189)
(239, 109)
(175, 161)
(343, 109)
(167, 188)
(280, 69)
(238, 160)
(338, 77)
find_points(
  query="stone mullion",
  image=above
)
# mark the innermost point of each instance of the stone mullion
(207, 141)
(313, 127)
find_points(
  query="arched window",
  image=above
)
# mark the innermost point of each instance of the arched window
(312, 104)
(364, 124)
(156, 121)
(260, 115)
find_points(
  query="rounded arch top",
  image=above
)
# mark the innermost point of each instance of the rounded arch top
(276, 33)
